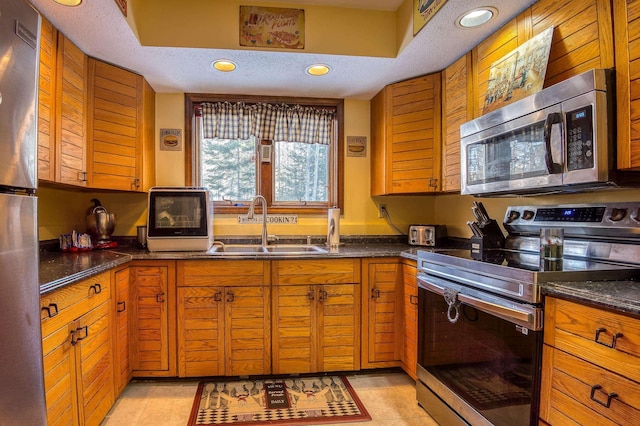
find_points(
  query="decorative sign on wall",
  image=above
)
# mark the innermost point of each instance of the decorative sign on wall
(423, 11)
(279, 219)
(519, 73)
(170, 139)
(122, 4)
(356, 146)
(271, 27)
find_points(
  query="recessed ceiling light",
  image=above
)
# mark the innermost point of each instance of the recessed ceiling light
(318, 69)
(224, 65)
(477, 17)
(68, 2)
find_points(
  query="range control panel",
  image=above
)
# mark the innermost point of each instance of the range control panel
(607, 220)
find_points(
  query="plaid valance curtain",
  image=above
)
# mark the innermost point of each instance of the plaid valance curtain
(280, 123)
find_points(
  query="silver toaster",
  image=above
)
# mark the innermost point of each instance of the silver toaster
(426, 235)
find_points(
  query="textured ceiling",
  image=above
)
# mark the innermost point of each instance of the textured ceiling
(99, 29)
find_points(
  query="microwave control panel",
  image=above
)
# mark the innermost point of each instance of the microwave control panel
(580, 149)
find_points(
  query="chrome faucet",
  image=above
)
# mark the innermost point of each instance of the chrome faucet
(264, 216)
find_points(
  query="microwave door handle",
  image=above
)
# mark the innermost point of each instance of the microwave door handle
(553, 118)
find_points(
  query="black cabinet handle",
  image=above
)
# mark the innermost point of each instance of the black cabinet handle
(375, 293)
(51, 310)
(323, 295)
(614, 339)
(413, 300)
(86, 333)
(218, 297)
(160, 297)
(124, 306)
(96, 288)
(310, 296)
(230, 297)
(610, 396)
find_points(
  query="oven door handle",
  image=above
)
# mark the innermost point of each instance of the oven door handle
(523, 317)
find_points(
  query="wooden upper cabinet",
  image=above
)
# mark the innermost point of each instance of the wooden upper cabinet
(71, 111)
(582, 40)
(457, 108)
(47, 102)
(405, 137)
(118, 137)
(627, 36)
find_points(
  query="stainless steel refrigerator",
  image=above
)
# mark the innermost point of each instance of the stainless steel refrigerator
(22, 398)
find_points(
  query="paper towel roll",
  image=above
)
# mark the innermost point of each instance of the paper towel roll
(333, 228)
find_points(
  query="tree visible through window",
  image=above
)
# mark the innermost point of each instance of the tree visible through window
(303, 172)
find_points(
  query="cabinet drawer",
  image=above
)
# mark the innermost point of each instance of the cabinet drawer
(201, 273)
(317, 271)
(68, 303)
(604, 338)
(587, 393)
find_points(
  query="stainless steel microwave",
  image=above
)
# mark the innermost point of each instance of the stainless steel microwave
(561, 139)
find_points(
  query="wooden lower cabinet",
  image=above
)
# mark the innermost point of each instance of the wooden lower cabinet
(590, 366)
(316, 315)
(409, 354)
(122, 335)
(382, 289)
(153, 333)
(224, 318)
(77, 352)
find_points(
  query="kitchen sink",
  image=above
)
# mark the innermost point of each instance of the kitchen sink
(276, 249)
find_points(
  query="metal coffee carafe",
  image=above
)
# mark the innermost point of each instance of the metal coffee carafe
(100, 225)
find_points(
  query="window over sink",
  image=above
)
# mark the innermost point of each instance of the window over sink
(288, 150)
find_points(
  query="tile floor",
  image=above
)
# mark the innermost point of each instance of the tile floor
(389, 398)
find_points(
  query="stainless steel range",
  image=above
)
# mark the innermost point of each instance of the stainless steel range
(480, 316)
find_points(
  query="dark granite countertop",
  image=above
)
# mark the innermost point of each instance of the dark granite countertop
(59, 269)
(622, 296)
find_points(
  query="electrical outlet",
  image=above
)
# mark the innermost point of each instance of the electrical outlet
(382, 208)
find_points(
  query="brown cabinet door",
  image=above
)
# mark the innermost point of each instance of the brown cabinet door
(153, 287)
(95, 367)
(382, 313)
(339, 322)
(247, 330)
(47, 102)
(71, 113)
(409, 354)
(115, 142)
(59, 376)
(201, 331)
(294, 329)
(122, 339)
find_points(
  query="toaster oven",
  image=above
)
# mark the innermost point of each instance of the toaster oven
(426, 235)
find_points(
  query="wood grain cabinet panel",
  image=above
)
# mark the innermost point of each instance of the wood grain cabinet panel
(46, 102)
(118, 144)
(122, 335)
(406, 137)
(316, 315)
(457, 108)
(224, 318)
(154, 312)
(409, 354)
(382, 290)
(78, 352)
(71, 113)
(591, 365)
(627, 41)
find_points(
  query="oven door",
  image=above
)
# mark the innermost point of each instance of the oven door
(478, 355)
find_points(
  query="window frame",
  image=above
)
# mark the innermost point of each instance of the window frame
(265, 187)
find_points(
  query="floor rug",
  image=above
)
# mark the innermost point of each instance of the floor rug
(287, 401)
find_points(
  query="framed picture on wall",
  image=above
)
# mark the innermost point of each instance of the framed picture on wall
(423, 11)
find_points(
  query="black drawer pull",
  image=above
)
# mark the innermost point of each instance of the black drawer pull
(375, 293)
(230, 297)
(124, 306)
(310, 295)
(613, 340)
(218, 296)
(610, 396)
(97, 289)
(413, 300)
(323, 295)
(51, 310)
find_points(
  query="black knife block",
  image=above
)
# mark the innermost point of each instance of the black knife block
(492, 238)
